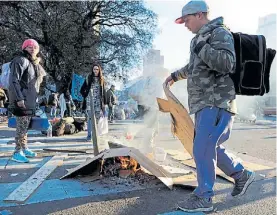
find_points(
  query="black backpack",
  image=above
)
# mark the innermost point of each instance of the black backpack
(52, 100)
(253, 62)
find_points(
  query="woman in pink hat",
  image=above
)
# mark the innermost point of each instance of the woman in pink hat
(26, 75)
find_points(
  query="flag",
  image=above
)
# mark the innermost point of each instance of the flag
(77, 82)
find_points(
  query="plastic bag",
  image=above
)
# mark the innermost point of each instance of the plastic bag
(102, 127)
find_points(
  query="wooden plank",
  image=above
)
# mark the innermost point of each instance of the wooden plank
(177, 155)
(25, 190)
(186, 180)
(93, 125)
(262, 171)
(191, 163)
(66, 150)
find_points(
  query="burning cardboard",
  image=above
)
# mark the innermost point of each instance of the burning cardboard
(94, 165)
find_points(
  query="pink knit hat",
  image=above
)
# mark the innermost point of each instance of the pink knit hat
(30, 42)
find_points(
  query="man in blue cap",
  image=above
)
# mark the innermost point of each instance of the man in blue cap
(211, 97)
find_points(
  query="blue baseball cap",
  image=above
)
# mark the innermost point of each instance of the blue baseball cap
(192, 7)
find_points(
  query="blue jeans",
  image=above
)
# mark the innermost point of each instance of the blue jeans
(111, 113)
(212, 128)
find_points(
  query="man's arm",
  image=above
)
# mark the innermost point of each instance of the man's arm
(180, 74)
(219, 55)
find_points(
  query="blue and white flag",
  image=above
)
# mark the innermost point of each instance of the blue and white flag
(77, 82)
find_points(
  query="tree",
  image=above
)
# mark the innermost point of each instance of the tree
(74, 35)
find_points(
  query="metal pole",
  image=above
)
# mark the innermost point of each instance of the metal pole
(93, 125)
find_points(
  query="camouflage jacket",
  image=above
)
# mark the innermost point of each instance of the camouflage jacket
(207, 73)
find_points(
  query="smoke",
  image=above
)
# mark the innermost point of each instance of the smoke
(145, 91)
(255, 105)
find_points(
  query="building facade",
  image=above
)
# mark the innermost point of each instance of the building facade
(153, 64)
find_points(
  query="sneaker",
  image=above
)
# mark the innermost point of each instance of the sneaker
(20, 157)
(196, 204)
(28, 153)
(89, 139)
(243, 183)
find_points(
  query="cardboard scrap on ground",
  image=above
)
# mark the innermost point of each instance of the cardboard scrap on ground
(176, 171)
(188, 180)
(261, 171)
(177, 155)
(191, 163)
(183, 127)
(91, 166)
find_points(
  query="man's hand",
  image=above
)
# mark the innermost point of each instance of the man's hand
(21, 104)
(169, 81)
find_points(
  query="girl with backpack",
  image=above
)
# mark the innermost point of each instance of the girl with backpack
(26, 75)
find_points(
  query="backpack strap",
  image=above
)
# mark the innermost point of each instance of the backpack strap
(22, 81)
(261, 50)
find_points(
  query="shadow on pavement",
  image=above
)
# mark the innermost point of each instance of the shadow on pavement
(148, 202)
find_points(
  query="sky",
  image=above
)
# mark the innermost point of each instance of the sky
(174, 40)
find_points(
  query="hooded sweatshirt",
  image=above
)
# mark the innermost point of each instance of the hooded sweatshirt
(207, 73)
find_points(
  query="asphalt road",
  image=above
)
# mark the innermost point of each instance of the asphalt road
(258, 141)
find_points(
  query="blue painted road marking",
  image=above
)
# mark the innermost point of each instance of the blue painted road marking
(56, 189)
(5, 212)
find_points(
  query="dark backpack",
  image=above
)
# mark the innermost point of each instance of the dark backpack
(52, 100)
(253, 62)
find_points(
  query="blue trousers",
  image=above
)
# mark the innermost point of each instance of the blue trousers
(212, 128)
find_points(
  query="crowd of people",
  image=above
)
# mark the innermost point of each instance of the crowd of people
(22, 101)
(211, 98)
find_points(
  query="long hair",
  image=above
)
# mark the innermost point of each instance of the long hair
(100, 75)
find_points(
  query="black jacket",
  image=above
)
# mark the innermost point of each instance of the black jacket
(111, 98)
(85, 92)
(24, 82)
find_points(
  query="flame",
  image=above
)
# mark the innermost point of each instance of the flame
(128, 163)
(118, 165)
(124, 162)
